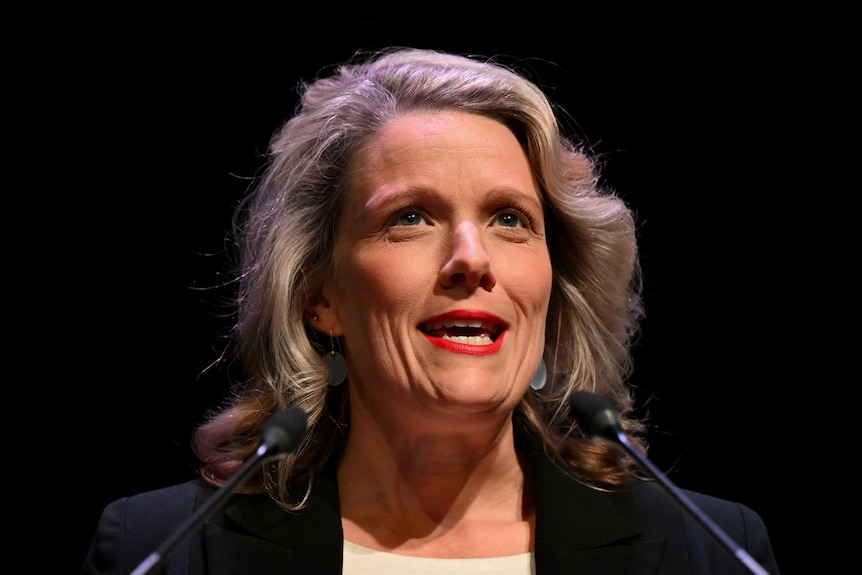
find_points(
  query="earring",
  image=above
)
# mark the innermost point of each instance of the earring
(541, 376)
(336, 363)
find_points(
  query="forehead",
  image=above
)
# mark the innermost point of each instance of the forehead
(450, 127)
(441, 144)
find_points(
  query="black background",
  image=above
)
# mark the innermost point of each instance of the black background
(162, 121)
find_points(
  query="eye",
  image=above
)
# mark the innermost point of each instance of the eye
(512, 219)
(408, 218)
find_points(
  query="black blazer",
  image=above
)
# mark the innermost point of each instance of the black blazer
(578, 530)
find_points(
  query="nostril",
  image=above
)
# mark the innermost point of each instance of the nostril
(488, 281)
(478, 278)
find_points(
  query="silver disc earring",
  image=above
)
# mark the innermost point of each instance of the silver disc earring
(336, 363)
(541, 376)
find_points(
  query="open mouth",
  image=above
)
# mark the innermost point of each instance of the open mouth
(466, 331)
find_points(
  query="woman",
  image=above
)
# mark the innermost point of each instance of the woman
(428, 269)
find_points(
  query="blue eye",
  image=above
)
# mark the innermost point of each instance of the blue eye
(410, 219)
(509, 220)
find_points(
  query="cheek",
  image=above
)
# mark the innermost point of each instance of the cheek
(386, 282)
(537, 294)
(530, 281)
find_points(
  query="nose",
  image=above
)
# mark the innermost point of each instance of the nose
(468, 264)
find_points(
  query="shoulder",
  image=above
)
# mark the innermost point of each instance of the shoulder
(131, 527)
(158, 500)
(643, 516)
(653, 499)
(661, 514)
(166, 505)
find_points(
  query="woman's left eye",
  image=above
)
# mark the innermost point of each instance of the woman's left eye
(510, 220)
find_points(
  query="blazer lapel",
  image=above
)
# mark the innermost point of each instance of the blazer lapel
(270, 541)
(581, 530)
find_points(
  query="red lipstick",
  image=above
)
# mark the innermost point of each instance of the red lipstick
(453, 331)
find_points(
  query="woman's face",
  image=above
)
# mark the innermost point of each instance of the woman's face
(443, 275)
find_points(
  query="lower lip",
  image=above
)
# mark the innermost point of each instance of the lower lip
(456, 347)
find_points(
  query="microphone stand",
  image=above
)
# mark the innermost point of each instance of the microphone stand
(596, 417)
(688, 504)
(281, 435)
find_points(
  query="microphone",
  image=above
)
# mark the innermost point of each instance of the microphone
(596, 417)
(281, 435)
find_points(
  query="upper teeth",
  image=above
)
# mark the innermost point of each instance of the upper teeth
(473, 323)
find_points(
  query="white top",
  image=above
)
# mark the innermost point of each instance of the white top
(359, 560)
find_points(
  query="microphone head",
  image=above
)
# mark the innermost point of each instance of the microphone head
(284, 430)
(595, 415)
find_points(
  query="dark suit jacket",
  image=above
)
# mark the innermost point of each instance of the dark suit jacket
(578, 530)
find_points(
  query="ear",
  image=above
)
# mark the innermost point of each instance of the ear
(323, 316)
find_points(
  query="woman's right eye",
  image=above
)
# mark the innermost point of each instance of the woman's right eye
(410, 218)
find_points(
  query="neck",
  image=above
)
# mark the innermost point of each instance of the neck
(433, 487)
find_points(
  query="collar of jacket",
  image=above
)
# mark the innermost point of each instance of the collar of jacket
(578, 529)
